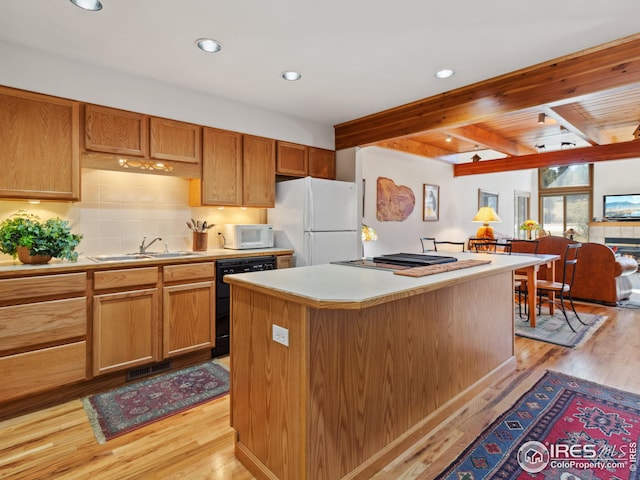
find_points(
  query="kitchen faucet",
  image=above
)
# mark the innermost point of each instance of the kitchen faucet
(143, 247)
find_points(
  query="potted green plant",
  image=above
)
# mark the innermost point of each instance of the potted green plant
(32, 240)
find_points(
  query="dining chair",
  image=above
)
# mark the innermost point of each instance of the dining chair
(562, 289)
(520, 276)
(524, 246)
(428, 244)
(491, 246)
(448, 246)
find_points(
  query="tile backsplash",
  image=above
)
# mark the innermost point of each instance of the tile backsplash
(118, 209)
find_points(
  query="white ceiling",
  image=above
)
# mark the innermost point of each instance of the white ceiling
(357, 57)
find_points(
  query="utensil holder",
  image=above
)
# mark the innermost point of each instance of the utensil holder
(200, 241)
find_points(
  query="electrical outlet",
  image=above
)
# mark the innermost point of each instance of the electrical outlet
(280, 334)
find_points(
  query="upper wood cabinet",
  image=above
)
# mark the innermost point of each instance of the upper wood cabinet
(39, 146)
(115, 131)
(292, 159)
(221, 168)
(237, 170)
(258, 171)
(156, 145)
(322, 163)
(177, 141)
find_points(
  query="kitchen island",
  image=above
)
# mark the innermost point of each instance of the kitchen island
(364, 363)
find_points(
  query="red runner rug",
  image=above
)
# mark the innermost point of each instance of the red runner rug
(564, 428)
(132, 406)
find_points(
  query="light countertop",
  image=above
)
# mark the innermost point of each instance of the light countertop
(341, 286)
(15, 268)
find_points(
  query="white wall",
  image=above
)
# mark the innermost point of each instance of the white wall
(32, 70)
(615, 176)
(458, 199)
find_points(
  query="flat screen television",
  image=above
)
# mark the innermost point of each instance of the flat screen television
(622, 207)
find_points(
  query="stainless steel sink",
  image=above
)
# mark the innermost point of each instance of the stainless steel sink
(171, 254)
(118, 258)
(141, 256)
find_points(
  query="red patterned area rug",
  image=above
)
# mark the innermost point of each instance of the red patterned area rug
(133, 406)
(564, 428)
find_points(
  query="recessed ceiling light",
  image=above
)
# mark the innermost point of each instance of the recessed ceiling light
(445, 73)
(93, 5)
(291, 76)
(209, 45)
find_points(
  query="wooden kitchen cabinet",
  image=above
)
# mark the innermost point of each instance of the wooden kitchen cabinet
(322, 163)
(292, 159)
(109, 130)
(237, 170)
(118, 139)
(284, 261)
(43, 328)
(126, 322)
(221, 182)
(188, 318)
(39, 146)
(258, 171)
(173, 140)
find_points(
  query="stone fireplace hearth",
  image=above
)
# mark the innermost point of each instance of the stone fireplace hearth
(622, 237)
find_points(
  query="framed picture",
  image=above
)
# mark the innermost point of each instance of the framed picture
(487, 199)
(430, 202)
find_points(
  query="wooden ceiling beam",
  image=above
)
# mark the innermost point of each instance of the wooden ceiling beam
(481, 136)
(417, 148)
(597, 153)
(568, 117)
(613, 65)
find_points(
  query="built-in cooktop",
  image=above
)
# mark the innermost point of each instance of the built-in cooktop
(397, 261)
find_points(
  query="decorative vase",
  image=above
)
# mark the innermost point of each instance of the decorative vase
(25, 257)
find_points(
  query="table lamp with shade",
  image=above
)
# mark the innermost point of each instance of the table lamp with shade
(570, 233)
(485, 216)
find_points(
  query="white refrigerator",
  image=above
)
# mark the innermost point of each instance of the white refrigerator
(318, 219)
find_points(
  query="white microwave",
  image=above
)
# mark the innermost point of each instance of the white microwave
(243, 236)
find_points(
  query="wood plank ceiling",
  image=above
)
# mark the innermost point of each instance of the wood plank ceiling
(590, 101)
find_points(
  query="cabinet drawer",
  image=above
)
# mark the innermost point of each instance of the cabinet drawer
(43, 286)
(128, 277)
(43, 322)
(192, 271)
(40, 370)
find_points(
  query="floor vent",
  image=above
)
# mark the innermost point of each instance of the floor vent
(147, 371)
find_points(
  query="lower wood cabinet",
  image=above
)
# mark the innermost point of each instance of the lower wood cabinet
(188, 318)
(188, 308)
(284, 261)
(126, 320)
(43, 328)
(144, 315)
(125, 330)
(42, 369)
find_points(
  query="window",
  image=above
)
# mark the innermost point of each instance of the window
(522, 213)
(565, 199)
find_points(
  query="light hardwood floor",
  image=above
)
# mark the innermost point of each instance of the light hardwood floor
(57, 443)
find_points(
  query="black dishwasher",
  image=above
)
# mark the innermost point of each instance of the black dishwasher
(227, 267)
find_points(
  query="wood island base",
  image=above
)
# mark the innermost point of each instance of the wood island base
(358, 384)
